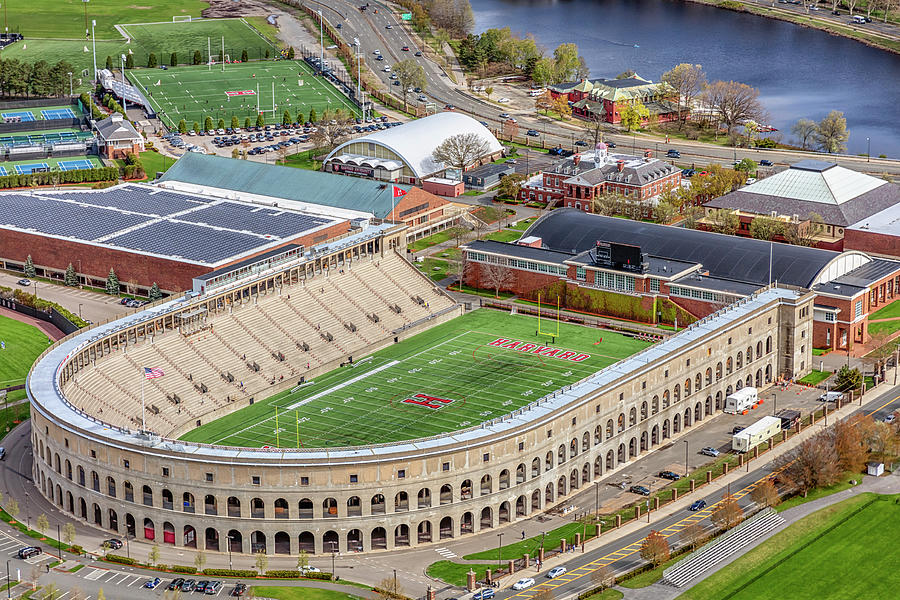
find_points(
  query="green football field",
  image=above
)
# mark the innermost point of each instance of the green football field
(194, 93)
(22, 345)
(442, 380)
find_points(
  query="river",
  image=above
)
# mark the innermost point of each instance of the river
(799, 72)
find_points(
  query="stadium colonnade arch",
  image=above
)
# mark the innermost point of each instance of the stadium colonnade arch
(382, 497)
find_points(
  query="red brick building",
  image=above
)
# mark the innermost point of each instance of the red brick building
(578, 180)
(878, 234)
(655, 273)
(605, 98)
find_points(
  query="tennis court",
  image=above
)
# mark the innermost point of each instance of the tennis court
(74, 165)
(3, 171)
(33, 139)
(194, 93)
(40, 167)
(58, 113)
(22, 116)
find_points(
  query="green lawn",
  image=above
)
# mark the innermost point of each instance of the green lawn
(23, 345)
(847, 550)
(505, 235)
(303, 160)
(821, 351)
(299, 593)
(10, 417)
(375, 399)
(817, 493)
(642, 580)
(431, 240)
(884, 327)
(815, 377)
(609, 594)
(455, 573)
(891, 311)
(523, 224)
(435, 268)
(193, 93)
(532, 545)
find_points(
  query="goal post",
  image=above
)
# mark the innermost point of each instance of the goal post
(181, 18)
(543, 328)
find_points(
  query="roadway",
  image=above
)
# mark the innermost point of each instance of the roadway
(370, 28)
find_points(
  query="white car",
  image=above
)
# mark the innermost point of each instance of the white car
(310, 569)
(386, 69)
(521, 584)
(503, 100)
(556, 572)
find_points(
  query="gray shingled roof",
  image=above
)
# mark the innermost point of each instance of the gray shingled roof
(112, 128)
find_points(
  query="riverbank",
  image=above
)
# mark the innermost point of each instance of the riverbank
(876, 39)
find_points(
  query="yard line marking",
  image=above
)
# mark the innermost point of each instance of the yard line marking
(343, 385)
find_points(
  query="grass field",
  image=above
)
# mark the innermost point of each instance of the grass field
(847, 550)
(193, 93)
(891, 311)
(369, 402)
(884, 327)
(300, 593)
(23, 344)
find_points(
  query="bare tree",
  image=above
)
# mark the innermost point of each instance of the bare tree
(461, 150)
(804, 233)
(389, 588)
(544, 102)
(733, 102)
(330, 133)
(262, 560)
(687, 81)
(883, 440)
(814, 463)
(765, 493)
(455, 16)
(728, 513)
(692, 535)
(458, 233)
(497, 277)
(603, 577)
(592, 124)
(804, 130)
(410, 75)
(655, 548)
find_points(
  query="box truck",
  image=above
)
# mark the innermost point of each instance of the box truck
(756, 434)
(788, 418)
(741, 400)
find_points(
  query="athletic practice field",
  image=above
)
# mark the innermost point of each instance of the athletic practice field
(20, 345)
(448, 378)
(194, 93)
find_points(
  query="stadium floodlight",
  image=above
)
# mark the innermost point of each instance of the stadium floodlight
(94, 46)
(124, 100)
(85, 3)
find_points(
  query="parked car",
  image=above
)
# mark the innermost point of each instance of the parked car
(418, 53)
(670, 475)
(113, 543)
(449, 107)
(697, 505)
(484, 594)
(151, 585)
(2, 453)
(201, 586)
(688, 172)
(525, 582)
(765, 162)
(581, 143)
(188, 585)
(556, 572)
(737, 429)
(532, 133)
(672, 153)
(888, 419)
(213, 587)
(175, 584)
(28, 552)
(388, 26)
(310, 569)
(639, 489)
(422, 98)
(709, 451)
(239, 589)
(24, 282)
(405, 48)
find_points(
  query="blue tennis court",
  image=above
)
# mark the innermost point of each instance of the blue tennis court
(3, 171)
(22, 115)
(58, 113)
(74, 165)
(35, 168)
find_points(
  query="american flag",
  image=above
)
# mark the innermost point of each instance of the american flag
(153, 372)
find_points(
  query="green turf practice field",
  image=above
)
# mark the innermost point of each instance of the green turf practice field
(23, 343)
(194, 93)
(442, 380)
(847, 550)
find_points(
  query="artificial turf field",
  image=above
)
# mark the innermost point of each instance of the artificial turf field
(194, 93)
(23, 343)
(848, 550)
(470, 382)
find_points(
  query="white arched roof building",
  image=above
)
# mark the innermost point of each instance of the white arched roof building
(403, 153)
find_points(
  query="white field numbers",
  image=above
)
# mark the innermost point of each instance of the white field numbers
(181, 18)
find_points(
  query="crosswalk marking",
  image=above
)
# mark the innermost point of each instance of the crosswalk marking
(445, 552)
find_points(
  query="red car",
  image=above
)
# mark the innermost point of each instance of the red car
(405, 48)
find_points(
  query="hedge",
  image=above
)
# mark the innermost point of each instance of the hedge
(230, 572)
(121, 559)
(184, 569)
(320, 575)
(23, 297)
(60, 177)
(284, 574)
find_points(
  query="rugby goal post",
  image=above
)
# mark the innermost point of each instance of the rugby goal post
(181, 18)
(215, 59)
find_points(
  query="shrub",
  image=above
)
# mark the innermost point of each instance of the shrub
(124, 560)
(230, 572)
(184, 569)
(76, 549)
(283, 574)
(320, 575)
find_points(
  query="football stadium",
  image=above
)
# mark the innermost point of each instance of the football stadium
(337, 400)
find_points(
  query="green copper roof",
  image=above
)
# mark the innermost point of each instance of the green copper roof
(315, 187)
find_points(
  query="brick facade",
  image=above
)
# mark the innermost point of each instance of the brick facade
(875, 243)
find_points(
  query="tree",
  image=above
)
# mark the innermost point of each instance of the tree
(151, 61)
(247, 123)
(728, 513)
(497, 277)
(460, 150)
(153, 555)
(804, 233)
(410, 74)
(244, 57)
(687, 81)
(198, 58)
(765, 493)
(68, 534)
(848, 379)
(455, 16)
(626, 74)
(804, 130)
(42, 523)
(733, 102)
(488, 91)
(510, 185)
(765, 228)
(267, 54)
(71, 278)
(692, 535)
(129, 61)
(655, 548)
(812, 464)
(260, 121)
(633, 115)
(565, 62)
(291, 54)
(12, 508)
(235, 152)
(29, 267)
(746, 165)
(195, 127)
(112, 283)
(664, 212)
(49, 592)
(562, 108)
(593, 124)
(155, 293)
(173, 59)
(603, 577)
(544, 102)
(182, 126)
(286, 118)
(76, 593)
(235, 123)
(723, 221)
(542, 72)
(883, 440)
(199, 559)
(101, 595)
(109, 63)
(221, 123)
(850, 442)
(389, 588)
(331, 132)
(208, 124)
(261, 560)
(313, 117)
(831, 133)
(302, 560)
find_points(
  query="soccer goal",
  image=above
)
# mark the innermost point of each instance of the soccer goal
(181, 18)
(216, 59)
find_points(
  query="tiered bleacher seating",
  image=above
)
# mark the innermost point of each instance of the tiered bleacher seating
(245, 352)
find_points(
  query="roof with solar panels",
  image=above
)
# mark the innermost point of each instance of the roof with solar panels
(144, 219)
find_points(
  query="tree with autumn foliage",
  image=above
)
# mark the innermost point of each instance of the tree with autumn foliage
(655, 548)
(766, 493)
(850, 443)
(728, 513)
(813, 464)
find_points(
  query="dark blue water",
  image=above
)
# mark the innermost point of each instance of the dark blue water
(799, 72)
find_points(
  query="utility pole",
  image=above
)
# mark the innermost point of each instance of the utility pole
(94, 46)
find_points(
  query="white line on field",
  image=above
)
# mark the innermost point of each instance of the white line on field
(344, 384)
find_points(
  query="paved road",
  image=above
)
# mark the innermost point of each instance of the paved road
(89, 305)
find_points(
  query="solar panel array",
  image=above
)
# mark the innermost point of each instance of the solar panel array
(137, 199)
(45, 215)
(257, 219)
(187, 240)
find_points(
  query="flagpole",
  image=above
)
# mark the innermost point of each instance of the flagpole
(277, 445)
(296, 416)
(143, 413)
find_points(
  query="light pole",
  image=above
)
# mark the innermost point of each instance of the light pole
(70, 84)
(686, 458)
(127, 546)
(395, 581)
(333, 543)
(94, 47)
(499, 549)
(124, 101)
(774, 403)
(79, 310)
(85, 2)
(228, 537)
(8, 586)
(597, 498)
(58, 539)
(868, 150)
(321, 42)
